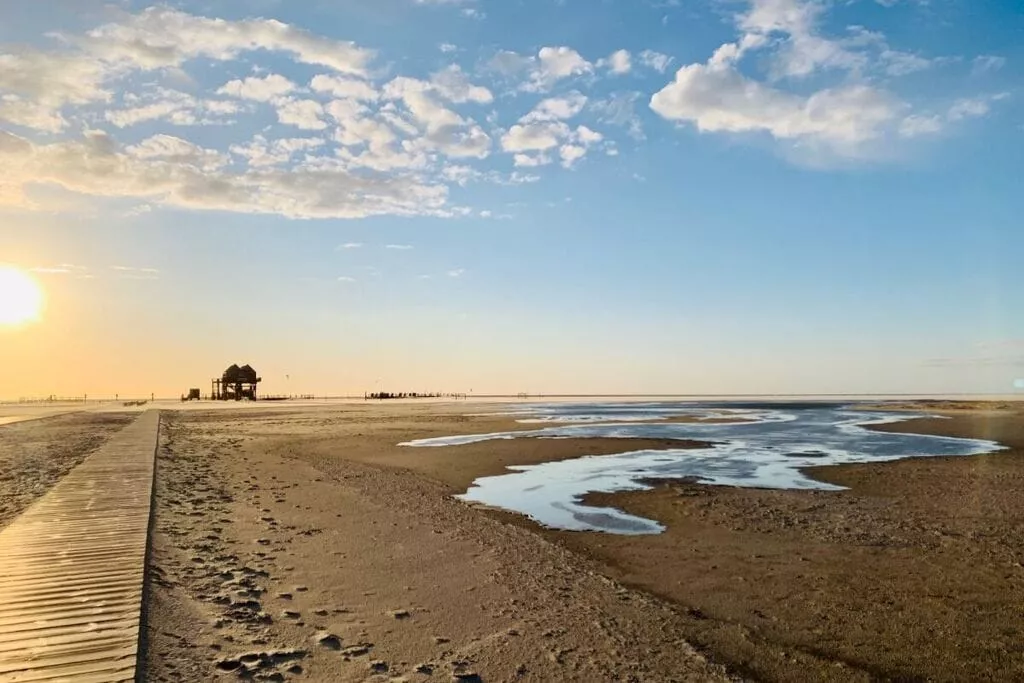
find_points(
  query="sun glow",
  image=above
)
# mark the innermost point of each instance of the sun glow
(21, 298)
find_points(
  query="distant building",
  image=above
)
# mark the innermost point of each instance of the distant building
(235, 384)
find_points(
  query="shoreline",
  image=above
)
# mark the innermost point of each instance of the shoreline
(305, 539)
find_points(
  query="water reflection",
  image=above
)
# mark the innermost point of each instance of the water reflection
(767, 450)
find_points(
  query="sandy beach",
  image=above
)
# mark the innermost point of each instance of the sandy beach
(37, 449)
(302, 543)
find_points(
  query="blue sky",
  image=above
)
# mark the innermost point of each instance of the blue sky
(639, 196)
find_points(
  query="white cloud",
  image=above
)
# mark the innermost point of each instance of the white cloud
(447, 47)
(97, 165)
(161, 37)
(571, 154)
(443, 129)
(987, 63)
(534, 137)
(168, 148)
(655, 60)
(173, 106)
(346, 278)
(557, 108)
(531, 142)
(916, 125)
(350, 245)
(31, 114)
(457, 272)
(134, 269)
(453, 85)
(850, 119)
(136, 273)
(400, 247)
(508, 63)
(263, 89)
(554, 64)
(37, 85)
(346, 88)
(715, 97)
(304, 114)
(619, 109)
(896, 63)
(588, 136)
(261, 152)
(618, 62)
(530, 161)
(967, 108)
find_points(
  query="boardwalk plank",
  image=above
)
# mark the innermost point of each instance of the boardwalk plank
(72, 565)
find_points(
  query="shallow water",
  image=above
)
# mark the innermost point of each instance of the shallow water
(765, 451)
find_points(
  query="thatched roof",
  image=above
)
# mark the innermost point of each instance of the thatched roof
(244, 374)
(231, 374)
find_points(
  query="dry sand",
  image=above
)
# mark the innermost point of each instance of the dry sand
(282, 551)
(274, 530)
(36, 451)
(303, 544)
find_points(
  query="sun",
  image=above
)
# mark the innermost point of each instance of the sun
(21, 299)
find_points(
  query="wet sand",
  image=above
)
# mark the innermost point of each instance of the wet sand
(293, 546)
(914, 573)
(304, 544)
(309, 539)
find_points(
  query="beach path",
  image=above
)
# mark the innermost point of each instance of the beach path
(72, 565)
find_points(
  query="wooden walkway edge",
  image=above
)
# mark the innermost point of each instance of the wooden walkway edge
(72, 566)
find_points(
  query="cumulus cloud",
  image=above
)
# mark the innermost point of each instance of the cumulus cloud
(168, 173)
(533, 140)
(553, 64)
(261, 152)
(618, 62)
(542, 72)
(262, 89)
(850, 119)
(344, 87)
(557, 108)
(37, 85)
(534, 137)
(453, 85)
(304, 114)
(442, 129)
(173, 106)
(716, 97)
(162, 37)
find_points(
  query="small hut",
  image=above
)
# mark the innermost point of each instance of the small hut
(236, 383)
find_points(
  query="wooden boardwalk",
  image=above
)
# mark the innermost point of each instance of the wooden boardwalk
(71, 568)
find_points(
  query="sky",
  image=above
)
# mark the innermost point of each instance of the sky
(501, 196)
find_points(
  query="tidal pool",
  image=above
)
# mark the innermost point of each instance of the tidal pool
(766, 450)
